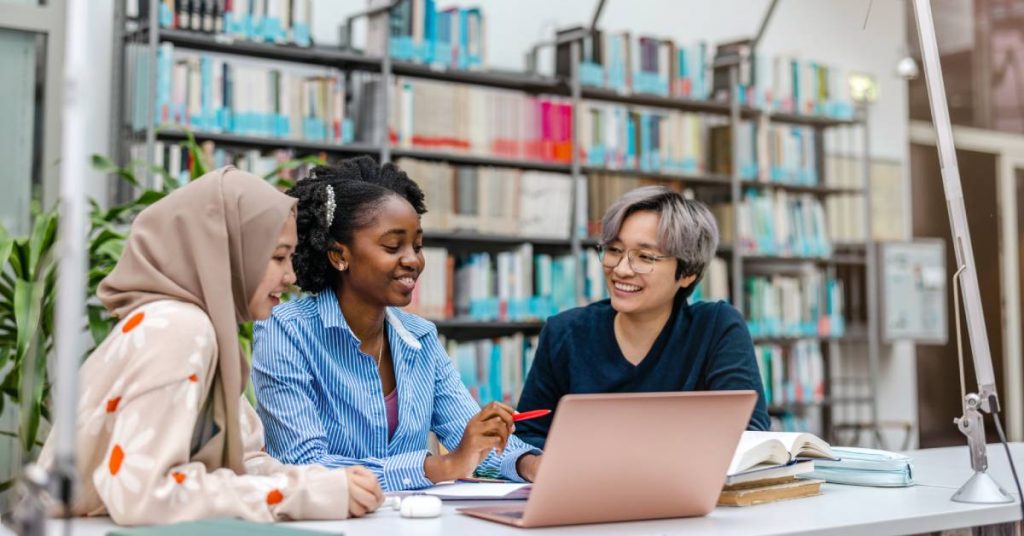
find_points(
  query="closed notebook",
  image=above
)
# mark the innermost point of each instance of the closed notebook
(776, 448)
(220, 527)
(865, 467)
(791, 489)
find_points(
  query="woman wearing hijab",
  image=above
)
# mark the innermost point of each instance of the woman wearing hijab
(164, 434)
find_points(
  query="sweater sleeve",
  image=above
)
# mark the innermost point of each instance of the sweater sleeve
(146, 476)
(732, 364)
(543, 389)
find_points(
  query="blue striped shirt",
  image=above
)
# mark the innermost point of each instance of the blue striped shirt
(321, 402)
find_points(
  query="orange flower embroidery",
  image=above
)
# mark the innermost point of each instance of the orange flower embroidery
(128, 462)
(180, 485)
(193, 378)
(137, 328)
(275, 496)
(133, 321)
(116, 459)
(112, 404)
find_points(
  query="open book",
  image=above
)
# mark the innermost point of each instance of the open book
(776, 448)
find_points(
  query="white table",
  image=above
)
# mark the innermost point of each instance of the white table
(840, 510)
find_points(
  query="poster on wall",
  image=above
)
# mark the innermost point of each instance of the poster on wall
(914, 291)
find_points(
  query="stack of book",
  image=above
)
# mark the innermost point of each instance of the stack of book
(866, 467)
(766, 465)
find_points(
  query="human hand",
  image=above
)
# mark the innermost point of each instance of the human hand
(488, 429)
(364, 493)
(527, 466)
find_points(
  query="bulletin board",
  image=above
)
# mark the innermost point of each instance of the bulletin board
(914, 295)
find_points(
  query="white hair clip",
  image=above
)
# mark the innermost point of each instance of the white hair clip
(329, 205)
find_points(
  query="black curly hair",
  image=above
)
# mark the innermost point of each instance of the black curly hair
(360, 188)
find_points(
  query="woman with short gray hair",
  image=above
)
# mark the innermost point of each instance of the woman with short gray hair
(646, 337)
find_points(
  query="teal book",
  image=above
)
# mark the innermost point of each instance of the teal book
(220, 527)
(865, 467)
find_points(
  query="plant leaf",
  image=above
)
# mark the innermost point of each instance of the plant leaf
(198, 166)
(28, 308)
(99, 324)
(44, 235)
(32, 408)
(104, 164)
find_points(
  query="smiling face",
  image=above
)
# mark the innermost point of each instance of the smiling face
(279, 275)
(637, 293)
(385, 258)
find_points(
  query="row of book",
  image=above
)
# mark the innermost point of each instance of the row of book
(493, 370)
(481, 121)
(179, 164)
(791, 84)
(502, 201)
(845, 212)
(792, 373)
(766, 153)
(805, 305)
(775, 223)
(642, 64)
(208, 92)
(654, 65)
(714, 286)
(619, 137)
(514, 285)
(417, 31)
(270, 21)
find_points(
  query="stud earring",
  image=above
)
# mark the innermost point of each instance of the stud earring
(342, 266)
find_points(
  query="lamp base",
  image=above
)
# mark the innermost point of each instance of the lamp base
(982, 489)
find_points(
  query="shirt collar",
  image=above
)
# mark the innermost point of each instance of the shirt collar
(330, 315)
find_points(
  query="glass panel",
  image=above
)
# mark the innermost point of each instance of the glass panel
(24, 2)
(20, 110)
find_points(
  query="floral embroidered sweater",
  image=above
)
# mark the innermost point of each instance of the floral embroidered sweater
(141, 394)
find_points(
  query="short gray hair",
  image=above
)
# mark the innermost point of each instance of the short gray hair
(687, 230)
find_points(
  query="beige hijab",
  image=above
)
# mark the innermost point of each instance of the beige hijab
(207, 243)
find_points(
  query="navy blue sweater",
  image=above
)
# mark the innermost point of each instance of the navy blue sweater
(704, 346)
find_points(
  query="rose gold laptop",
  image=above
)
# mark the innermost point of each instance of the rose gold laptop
(630, 456)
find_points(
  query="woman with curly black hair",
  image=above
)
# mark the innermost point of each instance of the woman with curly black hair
(343, 377)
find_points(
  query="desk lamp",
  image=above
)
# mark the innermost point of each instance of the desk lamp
(981, 487)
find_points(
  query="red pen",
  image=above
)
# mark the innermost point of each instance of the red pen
(530, 414)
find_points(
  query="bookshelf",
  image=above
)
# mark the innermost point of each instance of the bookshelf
(848, 255)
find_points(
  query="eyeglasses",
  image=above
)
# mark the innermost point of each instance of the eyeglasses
(640, 261)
